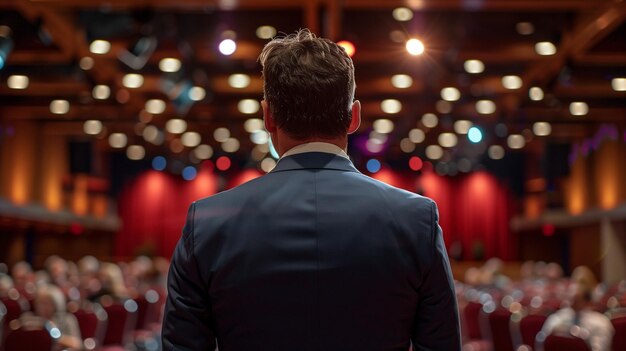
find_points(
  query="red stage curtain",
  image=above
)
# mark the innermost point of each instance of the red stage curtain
(473, 209)
(153, 208)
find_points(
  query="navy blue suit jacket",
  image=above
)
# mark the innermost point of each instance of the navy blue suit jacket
(312, 256)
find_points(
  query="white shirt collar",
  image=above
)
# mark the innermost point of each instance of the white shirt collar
(316, 146)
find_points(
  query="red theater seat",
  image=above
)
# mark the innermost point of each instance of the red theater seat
(619, 338)
(92, 323)
(21, 339)
(529, 326)
(499, 325)
(563, 343)
(121, 321)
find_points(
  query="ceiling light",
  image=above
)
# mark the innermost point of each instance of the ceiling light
(545, 48)
(252, 125)
(203, 152)
(525, 28)
(415, 47)
(383, 126)
(230, 145)
(495, 152)
(374, 146)
(407, 146)
(265, 32)
(99, 47)
(391, 106)
(101, 92)
(135, 152)
(59, 107)
(239, 80)
(535, 94)
(268, 164)
(150, 133)
(512, 82)
(132, 80)
(450, 94)
(447, 139)
(197, 93)
(17, 82)
(402, 14)
(86, 63)
(516, 141)
(401, 81)
(542, 128)
(191, 139)
(169, 64)
(176, 126)
(430, 120)
(462, 126)
(485, 107)
(618, 84)
(474, 66)
(417, 135)
(221, 134)
(248, 106)
(155, 106)
(578, 108)
(259, 137)
(443, 106)
(434, 152)
(118, 140)
(92, 127)
(227, 47)
(378, 138)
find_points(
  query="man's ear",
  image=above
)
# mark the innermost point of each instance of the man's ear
(355, 123)
(268, 118)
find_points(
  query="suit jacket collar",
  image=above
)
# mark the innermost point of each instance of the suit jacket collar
(314, 160)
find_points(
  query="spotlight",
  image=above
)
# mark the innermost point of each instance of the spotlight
(415, 47)
(227, 47)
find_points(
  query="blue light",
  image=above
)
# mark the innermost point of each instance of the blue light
(475, 135)
(189, 173)
(273, 151)
(1, 62)
(373, 165)
(159, 163)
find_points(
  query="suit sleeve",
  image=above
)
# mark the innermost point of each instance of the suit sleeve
(437, 319)
(187, 323)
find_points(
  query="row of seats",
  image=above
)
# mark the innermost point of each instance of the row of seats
(110, 326)
(488, 326)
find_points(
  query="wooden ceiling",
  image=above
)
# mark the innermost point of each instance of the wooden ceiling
(50, 37)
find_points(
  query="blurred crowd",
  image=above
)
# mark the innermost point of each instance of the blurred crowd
(494, 308)
(96, 305)
(88, 304)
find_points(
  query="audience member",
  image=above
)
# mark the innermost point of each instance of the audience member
(50, 305)
(580, 319)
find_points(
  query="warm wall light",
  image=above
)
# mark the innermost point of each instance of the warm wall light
(609, 174)
(576, 187)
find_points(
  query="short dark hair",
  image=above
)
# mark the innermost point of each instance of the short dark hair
(309, 85)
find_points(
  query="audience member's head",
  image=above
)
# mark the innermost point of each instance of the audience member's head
(49, 300)
(583, 283)
(57, 269)
(554, 271)
(112, 280)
